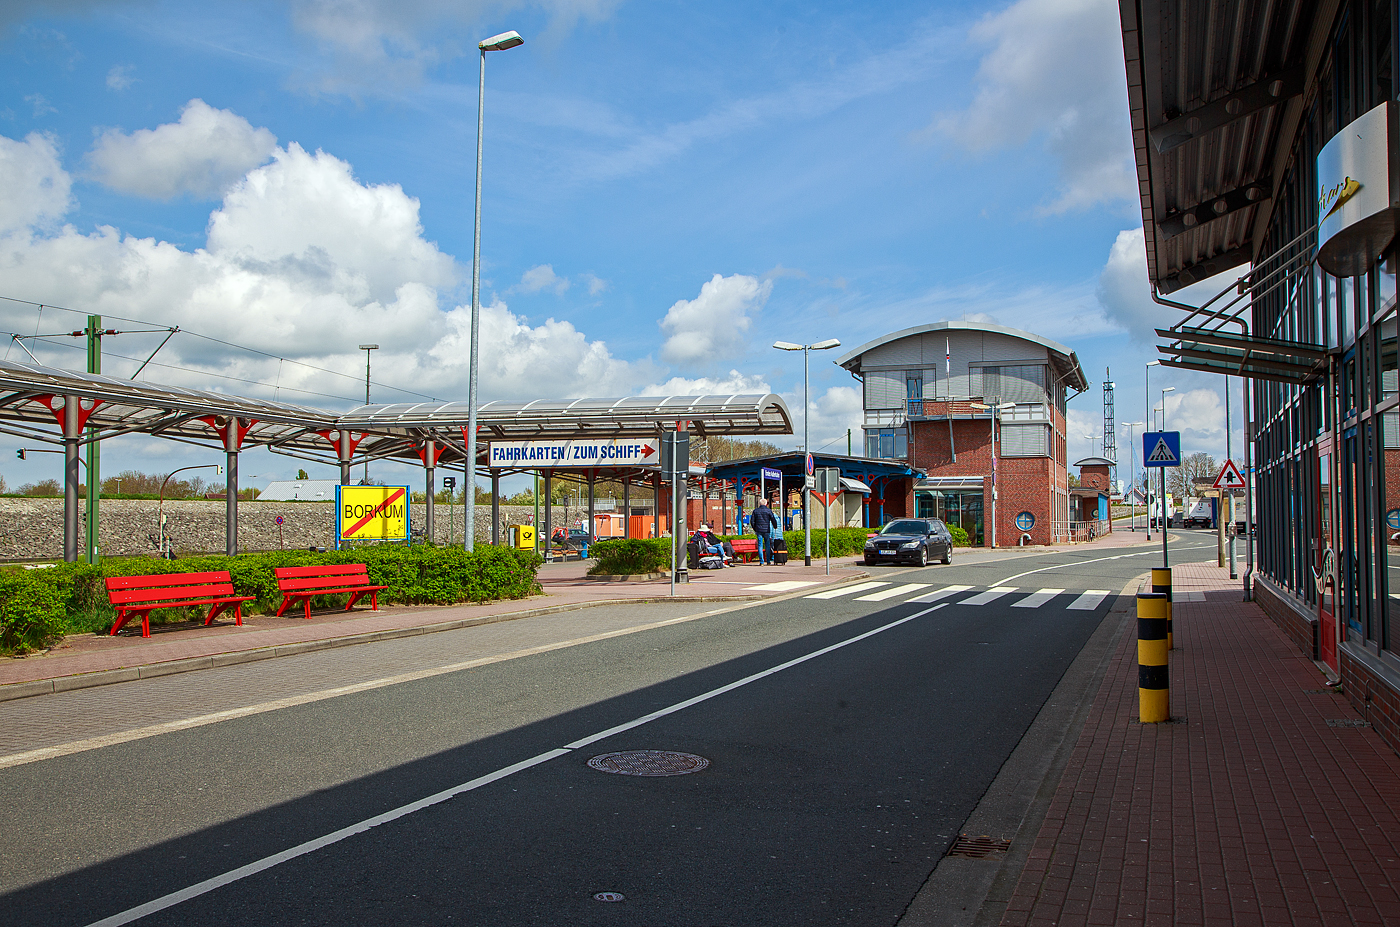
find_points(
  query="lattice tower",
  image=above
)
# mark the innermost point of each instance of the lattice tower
(1110, 431)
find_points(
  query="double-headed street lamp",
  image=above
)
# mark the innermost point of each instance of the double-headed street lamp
(495, 43)
(1133, 458)
(1151, 420)
(806, 350)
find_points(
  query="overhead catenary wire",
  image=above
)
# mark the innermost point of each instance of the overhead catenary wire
(229, 344)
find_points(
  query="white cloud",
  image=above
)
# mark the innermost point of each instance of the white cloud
(302, 261)
(736, 382)
(542, 277)
(1126, 296)
(34, 187)
(711, 327)
(200, 156)
(595, 284)
(119, 78)
(832, 414)
(384, 44)
(41, 105)
(1198, 414)
(1055, 71)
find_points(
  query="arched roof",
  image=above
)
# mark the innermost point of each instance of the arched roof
(1065, 361)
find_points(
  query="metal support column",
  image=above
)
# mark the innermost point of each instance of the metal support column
(656, 504)
(627, 507)
(231, 443)
(343, 451)
(71, 430)
(429, 516)
(496, 507)
(592, 521)
(548, 515)
(94, 466)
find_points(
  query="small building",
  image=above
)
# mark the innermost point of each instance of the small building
(872, 491)
(979, 410)
(298, 491)
(1089, 506)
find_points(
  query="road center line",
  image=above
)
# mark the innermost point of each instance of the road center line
(1064, 566)
(320, 843)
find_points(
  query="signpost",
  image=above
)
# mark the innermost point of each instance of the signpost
(674, 459)
(592, 452)
(449, 483)
(1161, 449)
(371, 513)
(1228, 481)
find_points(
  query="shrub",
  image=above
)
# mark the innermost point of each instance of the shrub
(960, 538)
(624, 556)
(421, 574)
(31, 610)
(845, 542)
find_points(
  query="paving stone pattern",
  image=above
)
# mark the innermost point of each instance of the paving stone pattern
(1247, 809)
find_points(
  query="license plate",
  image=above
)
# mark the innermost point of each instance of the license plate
(889, 553)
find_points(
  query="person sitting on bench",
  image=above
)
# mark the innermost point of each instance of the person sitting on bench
(709, 544)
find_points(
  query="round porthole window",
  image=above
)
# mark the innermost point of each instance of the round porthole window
(1025, 521)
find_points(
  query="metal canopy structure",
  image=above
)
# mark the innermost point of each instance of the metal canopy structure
(1213, 106)
(91, 407)
(870, 476)
(1239, 355)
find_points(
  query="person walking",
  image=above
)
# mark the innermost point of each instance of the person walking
(763, 521)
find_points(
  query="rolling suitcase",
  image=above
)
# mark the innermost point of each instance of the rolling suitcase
(780, 551)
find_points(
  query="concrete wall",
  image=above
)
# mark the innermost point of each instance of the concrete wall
(32, 529)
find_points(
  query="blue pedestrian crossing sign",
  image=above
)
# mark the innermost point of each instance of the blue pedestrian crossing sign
(1161, 449)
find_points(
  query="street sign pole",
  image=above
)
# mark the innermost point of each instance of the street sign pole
(1161, 449)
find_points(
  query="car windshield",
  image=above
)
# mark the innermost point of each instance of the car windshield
(906, 527)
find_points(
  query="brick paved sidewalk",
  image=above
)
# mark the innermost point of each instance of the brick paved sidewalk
(1258, 804)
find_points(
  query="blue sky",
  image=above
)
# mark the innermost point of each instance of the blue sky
(669, 187)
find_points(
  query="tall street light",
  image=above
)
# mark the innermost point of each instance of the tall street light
(1169, 389)
(367, 348)
(1147, 414)
(495, 43)
(807, 350)
(1132, 457)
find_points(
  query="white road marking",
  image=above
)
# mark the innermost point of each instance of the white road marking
(1067, 566)
(1037, 599)
(890, 593)
(319, 843)
(940, 594)
(991, 595)
(845, 590)
(786, 585)
(1088, 600)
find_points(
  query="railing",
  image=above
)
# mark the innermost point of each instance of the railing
(1077, 532)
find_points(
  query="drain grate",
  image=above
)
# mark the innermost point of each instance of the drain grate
(649, 763)
(978, 847)
(1347, 722)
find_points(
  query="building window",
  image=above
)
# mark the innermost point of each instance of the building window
(887, 443)
(914, 384)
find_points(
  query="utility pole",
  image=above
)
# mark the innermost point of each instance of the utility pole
(94, 476)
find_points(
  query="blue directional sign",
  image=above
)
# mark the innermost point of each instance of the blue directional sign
(1161, 449)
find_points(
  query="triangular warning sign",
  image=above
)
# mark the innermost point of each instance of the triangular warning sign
(1161, 453)
(1229, 477)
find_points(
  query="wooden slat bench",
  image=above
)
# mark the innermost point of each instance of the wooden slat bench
(745, 549)
(301, 583)
(140, 595)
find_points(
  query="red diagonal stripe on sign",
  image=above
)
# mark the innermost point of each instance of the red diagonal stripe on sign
(374, 513)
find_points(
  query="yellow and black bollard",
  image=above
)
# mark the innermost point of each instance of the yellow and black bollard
(1162, 582)
(1153, 694)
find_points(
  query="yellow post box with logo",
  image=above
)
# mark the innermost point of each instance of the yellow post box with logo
(522, 537)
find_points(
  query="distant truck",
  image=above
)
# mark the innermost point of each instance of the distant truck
(1154, 512)
(1202, 514)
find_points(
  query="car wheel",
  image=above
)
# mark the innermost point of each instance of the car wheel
(923, 556)
(869, 562)
(948, 555)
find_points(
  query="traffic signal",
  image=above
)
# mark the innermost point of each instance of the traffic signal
(20, 454)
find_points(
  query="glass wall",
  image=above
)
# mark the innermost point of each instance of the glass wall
(961, 507)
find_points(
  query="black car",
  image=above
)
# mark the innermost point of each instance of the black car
(915, 540)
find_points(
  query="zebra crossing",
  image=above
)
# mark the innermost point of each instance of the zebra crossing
(1085, 601)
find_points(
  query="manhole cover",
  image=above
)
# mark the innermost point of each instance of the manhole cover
(609, 896)
(978, 847)
(1347, 722)
(649, 763)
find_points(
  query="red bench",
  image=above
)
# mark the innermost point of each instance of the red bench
(745, 548)
(140, 595)
(301, 583)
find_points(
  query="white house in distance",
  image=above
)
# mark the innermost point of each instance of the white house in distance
(299, 491)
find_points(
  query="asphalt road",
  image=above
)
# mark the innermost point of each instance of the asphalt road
(837, 777)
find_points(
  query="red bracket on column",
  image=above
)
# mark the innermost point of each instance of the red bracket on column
(335, 441)
(437, 454)
(213, 421)
(479, 430)
(56, 403)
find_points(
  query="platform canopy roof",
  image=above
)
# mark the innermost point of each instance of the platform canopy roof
(1216, 95)
(791, 464)
(32, 397)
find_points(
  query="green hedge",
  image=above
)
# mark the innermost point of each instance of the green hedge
(628, 556)
(960, 538)
(38, 606)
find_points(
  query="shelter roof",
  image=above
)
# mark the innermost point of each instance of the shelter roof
(1096, 462)
(630, 416)
(1216, 96)
(793, 463)
(1065, 361)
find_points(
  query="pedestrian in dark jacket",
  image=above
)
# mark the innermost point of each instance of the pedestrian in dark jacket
(763, 521)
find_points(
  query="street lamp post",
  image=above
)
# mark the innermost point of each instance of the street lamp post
(992, 506)
(1132, 458)
(367, 348)
(806, 350)
(1165, 390)
(495, 43)
(1147, 414)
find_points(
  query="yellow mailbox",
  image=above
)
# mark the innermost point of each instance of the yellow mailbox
(522, 537)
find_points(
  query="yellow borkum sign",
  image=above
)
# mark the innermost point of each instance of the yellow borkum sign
(371, 513)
